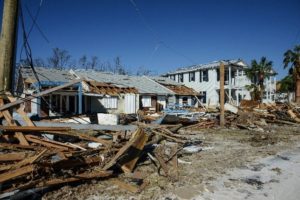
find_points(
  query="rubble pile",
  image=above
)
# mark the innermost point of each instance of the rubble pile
(34, 157)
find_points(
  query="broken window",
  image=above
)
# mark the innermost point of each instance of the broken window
(191, 76)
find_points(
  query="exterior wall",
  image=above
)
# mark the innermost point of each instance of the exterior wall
(234, 86)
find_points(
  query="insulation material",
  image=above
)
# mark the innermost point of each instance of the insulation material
(146, 101)
(110, 102)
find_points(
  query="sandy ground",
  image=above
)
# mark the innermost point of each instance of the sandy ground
(236, 164)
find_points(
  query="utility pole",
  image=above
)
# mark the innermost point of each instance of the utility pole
(222, 94)
(8, 44)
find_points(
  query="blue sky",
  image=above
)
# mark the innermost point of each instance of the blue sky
(165, 35)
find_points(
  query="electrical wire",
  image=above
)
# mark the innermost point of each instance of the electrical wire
(155, 35)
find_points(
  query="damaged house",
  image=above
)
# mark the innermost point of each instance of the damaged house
(151, 95)
(184, 96)
(205, 79)
(86, 97)
(65, 101)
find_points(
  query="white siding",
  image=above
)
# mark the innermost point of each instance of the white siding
(146, 101)
(110, 102)
(130, 103)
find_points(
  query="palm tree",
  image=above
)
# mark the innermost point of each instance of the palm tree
(287, 85)
(292, 59)
(258, 72)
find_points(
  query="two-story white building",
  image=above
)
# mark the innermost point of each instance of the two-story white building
(205, 79)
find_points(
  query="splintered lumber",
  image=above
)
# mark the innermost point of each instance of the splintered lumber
(138, 137)
(293, 115)
(78, 177)
(26, 161)
(11, 122)
(81, 136)
(19, 101)
(8, 157)
(32, 128)
(20, 110)
(16, 173)
(49, 143)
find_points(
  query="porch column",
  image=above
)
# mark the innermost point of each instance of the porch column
(67, 103)
(80, 98)
(60, 103)
(229, 89)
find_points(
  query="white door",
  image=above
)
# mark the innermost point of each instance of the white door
(130, 103)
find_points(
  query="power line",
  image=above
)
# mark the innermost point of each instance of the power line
(155, 35)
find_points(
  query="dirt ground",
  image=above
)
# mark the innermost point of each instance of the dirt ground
(224, 150)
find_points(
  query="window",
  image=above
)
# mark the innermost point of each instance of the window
(172, 77)
(110, 102)
(191, 76)
(205, 75)
(203, 96)
(218, 74)
(180, 78)
(146, 101)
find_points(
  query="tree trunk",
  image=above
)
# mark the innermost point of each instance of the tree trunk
(297, 91)
(261, 85)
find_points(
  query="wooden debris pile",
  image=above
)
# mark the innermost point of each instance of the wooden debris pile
(43, 157)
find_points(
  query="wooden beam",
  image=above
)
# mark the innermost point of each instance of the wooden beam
(49, 143)
(16, 173)
(124, 149)
(140, 139)
(8, 157)
(20, 110)
(11, 122)
(32, 128)
(19, 101)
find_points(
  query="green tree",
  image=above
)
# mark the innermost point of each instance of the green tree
(258, 72)
(292, 59)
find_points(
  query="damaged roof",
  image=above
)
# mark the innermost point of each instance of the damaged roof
(143, 84)
(176, 87)
(215, 64)
(108, 88)
(45, 75)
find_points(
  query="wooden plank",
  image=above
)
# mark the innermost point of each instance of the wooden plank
(11, 122)
(16, 173)
(20, 110)
(140, 139)
(19, 101)
(32, 128)
(27, 161)
(124, 149)
(49, 143)
(8, 157)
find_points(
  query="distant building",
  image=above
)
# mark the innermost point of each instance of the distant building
(205, 79)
